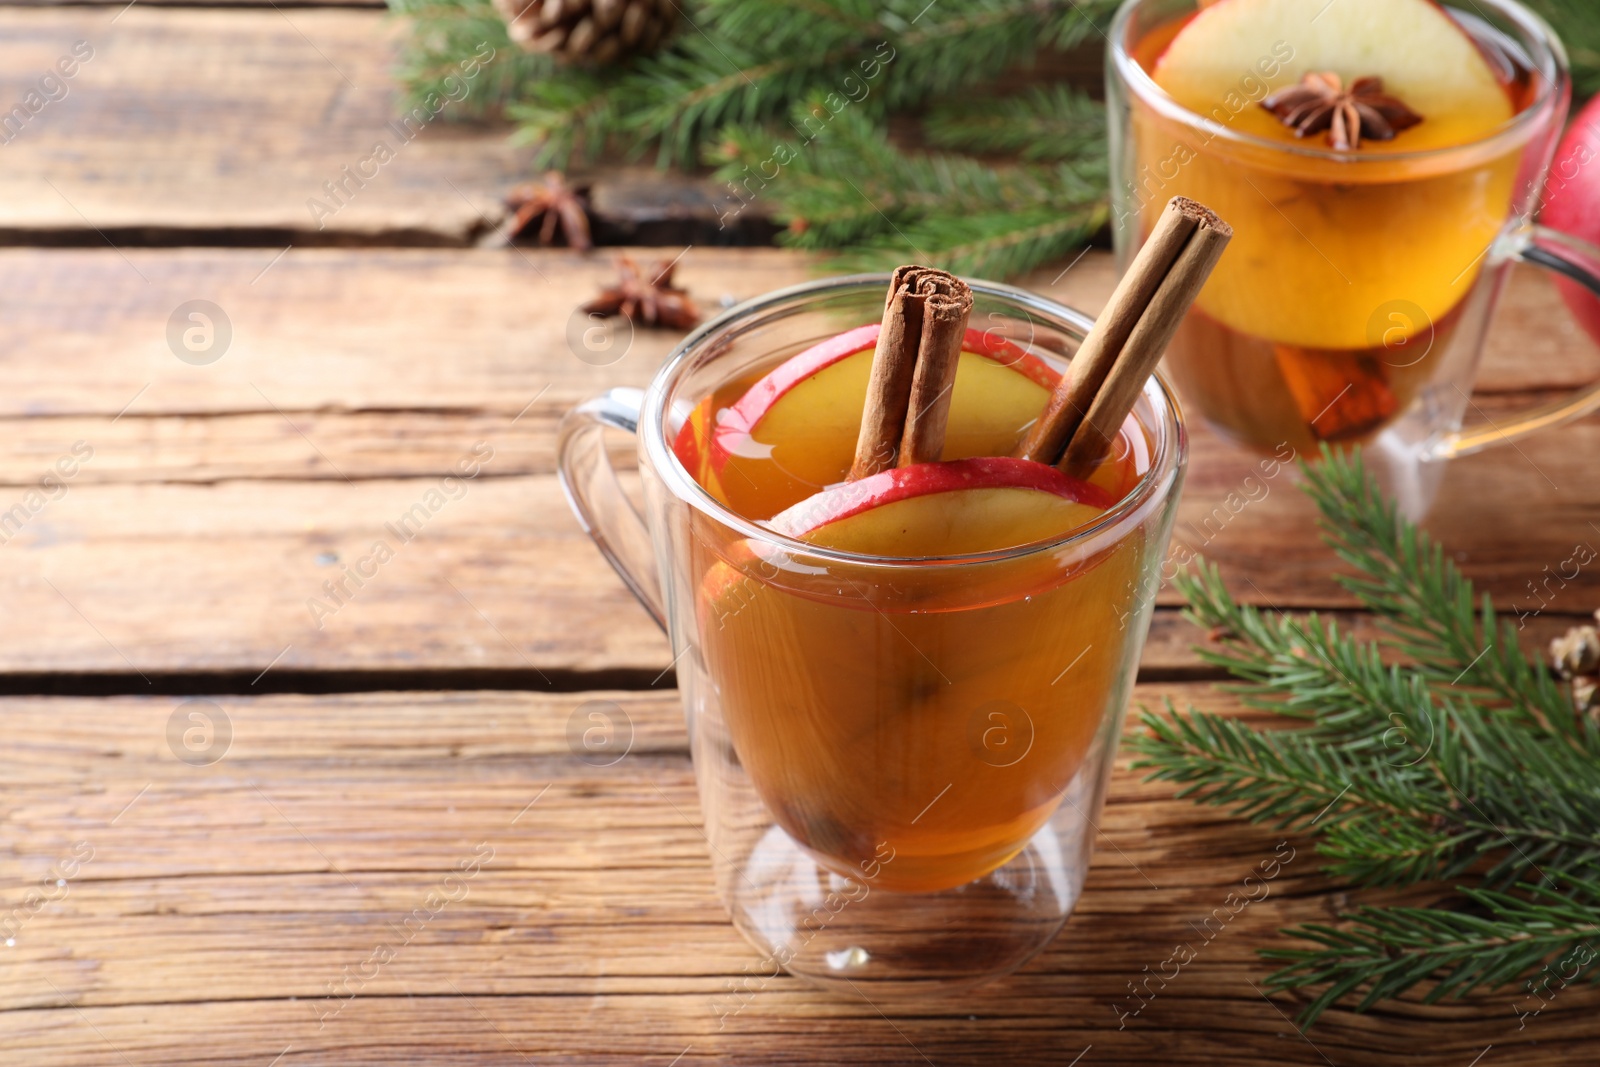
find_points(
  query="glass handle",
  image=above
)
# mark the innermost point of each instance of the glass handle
(1571, 258)
(596, 497)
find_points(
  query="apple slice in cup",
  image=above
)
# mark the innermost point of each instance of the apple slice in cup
(692, 446)
(1424, 57)
(794, 431)
(950, 508)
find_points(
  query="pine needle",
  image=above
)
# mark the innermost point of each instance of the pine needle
(1468, 763)
(738, 69)
(845, 185)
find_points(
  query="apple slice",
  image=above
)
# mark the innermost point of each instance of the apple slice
(1424, 57)
(951, 508)
(794, 431)
(692, 446)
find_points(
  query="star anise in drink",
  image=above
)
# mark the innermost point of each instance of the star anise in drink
(1321, 102)
(652, 301)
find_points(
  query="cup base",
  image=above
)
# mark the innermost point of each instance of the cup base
(847, 936)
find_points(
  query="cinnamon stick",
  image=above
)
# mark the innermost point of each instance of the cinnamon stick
(944, 327)
(1338, 397)
(1121, 386)
(913, 369)
(1069, 403)
(894, 361)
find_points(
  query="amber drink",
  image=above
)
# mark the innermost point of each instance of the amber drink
(1355, 266)
(939, 710)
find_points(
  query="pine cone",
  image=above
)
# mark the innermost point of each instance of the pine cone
(595, 31)
(1586, 695)
(1576, 652)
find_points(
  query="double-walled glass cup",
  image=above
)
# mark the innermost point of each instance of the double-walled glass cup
(1352, 304)
(899, 761)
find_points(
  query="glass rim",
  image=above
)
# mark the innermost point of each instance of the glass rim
(1551, 62)
(1168, 448)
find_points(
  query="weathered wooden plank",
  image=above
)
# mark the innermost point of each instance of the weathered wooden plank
(479, 330)
(157, 577)
(483, 330)
(331, 445)
(784, 1025)
(219, 491)
(221, 901)
(169, 576)
(333, 329)
(248, 110)
(230, 121)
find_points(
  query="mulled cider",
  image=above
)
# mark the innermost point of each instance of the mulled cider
(1366, 151)
(914, 725)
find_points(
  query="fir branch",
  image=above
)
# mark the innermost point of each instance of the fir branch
(1575, 23)
(1002, 244)
(738, 68)
(1482, 785)
(1519, 811)
(447, 33)
(567, 117)
(1284, 777)
(1489, 942)
(1503, 783)
(959, 43)
(1405, 577)
(749, 61)
(822, 28)
(848, 186)
(1043, 124)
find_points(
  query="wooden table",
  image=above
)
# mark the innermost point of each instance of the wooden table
(227, 909)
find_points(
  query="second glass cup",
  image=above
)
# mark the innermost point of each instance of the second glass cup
(1354, 300)
(899, 760)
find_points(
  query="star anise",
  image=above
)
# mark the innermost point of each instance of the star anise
(1321, 102)
(646, 302)
(550, 202)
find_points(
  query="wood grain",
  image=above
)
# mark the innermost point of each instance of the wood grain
(220, 902)
(217, 502)
(154, 577)
(219, 126)
(161, 577)
(334, 329)
(228, 122)
(483, 330)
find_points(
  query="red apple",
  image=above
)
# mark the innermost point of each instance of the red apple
(950, 508)
(794, 431)
(1572, 205)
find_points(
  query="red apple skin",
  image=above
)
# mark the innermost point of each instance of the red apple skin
(1572, 205)
(743, 416)
(785, 376)
(687, 446)
(921, 479)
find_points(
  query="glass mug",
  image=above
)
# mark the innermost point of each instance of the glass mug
(899, 761)
(1353, 302)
